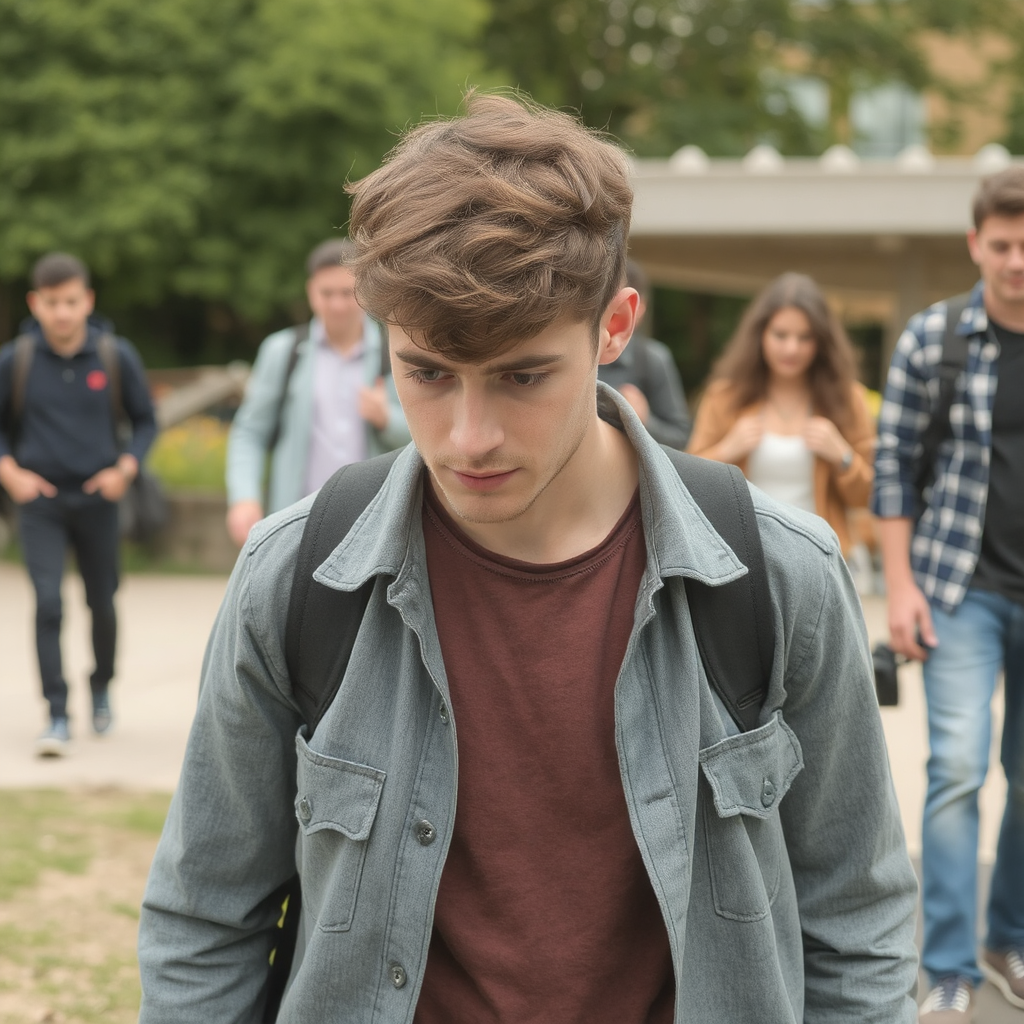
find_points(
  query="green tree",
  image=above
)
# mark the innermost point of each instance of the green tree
(664, 73)
(657, 73)
(189, 149)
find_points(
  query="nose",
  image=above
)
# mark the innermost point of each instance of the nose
(476, 427)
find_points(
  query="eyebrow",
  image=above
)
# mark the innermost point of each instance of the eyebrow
(415, 357)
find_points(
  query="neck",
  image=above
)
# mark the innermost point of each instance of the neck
(344, 339)
(789, 390)
(1006, 314)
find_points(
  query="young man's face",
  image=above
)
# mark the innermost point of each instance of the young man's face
(62, 311)
(997, 247)
(500, 435)
(332, 297)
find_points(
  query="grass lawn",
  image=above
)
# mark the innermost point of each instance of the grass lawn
(72, 870)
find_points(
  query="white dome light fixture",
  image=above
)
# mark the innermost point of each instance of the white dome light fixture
(763, 159)
(839, 159)
(915, 159)
(992, 158)
(689, 160)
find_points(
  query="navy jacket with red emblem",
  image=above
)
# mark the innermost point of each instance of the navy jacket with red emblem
(67, 432)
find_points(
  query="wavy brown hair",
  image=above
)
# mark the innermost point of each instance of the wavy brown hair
(830, 376)
(481, 231)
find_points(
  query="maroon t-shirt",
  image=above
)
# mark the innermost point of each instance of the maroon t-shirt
(545, 912)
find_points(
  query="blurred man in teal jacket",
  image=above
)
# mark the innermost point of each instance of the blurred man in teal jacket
(320, 397)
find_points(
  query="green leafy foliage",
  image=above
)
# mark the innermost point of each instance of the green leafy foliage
(664, 73)
(199, 150)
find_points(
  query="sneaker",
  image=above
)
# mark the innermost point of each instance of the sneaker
(102, 719)
(949, 1002)
(54, 742)
(1006, 972)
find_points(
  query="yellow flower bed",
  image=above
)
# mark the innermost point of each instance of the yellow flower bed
(191, 456)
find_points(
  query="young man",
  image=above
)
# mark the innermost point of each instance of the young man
(339, 406)
(524, 803)
(61, 462)
(955, 578)
(645, 374)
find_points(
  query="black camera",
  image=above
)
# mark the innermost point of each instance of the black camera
(887, 686)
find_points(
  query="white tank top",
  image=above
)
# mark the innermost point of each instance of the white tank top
(783, 467)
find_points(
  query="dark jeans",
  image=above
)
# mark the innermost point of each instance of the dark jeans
(47, 526)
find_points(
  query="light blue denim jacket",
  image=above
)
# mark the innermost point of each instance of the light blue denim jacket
(777, 855)
(254, 421)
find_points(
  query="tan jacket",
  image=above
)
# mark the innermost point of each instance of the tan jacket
(835, 490)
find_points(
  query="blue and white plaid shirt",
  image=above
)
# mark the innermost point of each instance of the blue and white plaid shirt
(947, 538)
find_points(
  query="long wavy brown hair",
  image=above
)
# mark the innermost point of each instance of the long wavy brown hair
(830, 377)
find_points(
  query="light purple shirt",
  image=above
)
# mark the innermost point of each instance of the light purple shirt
(337, 431)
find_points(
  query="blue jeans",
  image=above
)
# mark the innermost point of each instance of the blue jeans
(984, 635)
(88, 525)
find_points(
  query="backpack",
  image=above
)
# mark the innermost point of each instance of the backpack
(732, 623)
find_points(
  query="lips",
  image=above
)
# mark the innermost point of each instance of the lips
(482, 482)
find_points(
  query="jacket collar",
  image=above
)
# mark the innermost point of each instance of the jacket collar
(387, 538)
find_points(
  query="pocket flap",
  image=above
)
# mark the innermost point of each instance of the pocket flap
(335, 794)
(750, 773)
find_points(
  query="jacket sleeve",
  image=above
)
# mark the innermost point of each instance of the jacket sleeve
(138, 404)
(251, 429)
(856, 889)
(669, 419)
(208, 917)
(854, 483)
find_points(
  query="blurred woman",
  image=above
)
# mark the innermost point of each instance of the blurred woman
(785, 406)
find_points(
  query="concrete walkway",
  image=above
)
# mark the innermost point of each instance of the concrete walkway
(164, 623)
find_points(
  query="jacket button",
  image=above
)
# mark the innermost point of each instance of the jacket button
(397, 974)
(767, 792)
(305, 811)
(425, 832)
(443, 712)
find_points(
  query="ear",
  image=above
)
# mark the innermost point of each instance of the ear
(617, 323)
(972, 245)
(32, 301)
(90, 301)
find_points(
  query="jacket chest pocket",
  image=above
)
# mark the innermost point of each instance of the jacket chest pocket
(747, 777)
(335, 804)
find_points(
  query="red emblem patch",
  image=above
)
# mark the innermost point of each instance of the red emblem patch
(96, 379)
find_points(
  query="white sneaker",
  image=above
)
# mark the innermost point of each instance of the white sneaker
(54, 742)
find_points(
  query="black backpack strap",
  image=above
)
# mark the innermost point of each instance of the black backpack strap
(952, 364)
(322, 623)
(300, 333)
(320, 632)
(732, 623)
(24, 349)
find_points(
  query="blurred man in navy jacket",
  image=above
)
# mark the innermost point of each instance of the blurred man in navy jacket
(62, 464)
